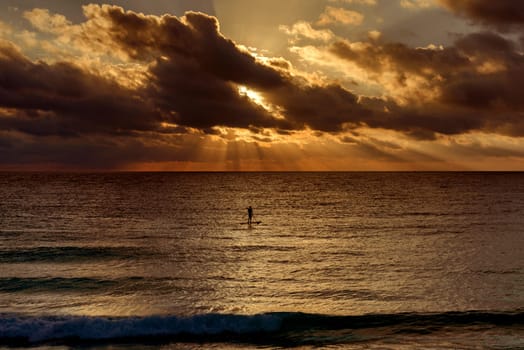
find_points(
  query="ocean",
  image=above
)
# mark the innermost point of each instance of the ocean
(335, 260)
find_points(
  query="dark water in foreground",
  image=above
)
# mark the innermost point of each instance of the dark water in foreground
(339, 260)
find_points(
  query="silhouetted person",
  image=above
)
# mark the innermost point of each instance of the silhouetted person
(249, 215)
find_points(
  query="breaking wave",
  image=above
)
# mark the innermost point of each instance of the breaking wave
(269, 328)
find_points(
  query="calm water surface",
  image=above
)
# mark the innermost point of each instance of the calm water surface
(348, 260)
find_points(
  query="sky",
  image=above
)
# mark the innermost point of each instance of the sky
(236, 85)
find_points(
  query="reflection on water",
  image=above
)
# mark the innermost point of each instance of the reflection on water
(332, 243)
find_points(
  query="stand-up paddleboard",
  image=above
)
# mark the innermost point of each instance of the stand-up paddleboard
(252, 223)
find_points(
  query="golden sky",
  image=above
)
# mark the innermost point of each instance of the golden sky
(239, 85)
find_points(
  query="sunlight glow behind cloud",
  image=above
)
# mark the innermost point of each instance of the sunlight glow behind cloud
(175, 92)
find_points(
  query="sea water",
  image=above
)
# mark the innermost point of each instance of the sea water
(338, 260)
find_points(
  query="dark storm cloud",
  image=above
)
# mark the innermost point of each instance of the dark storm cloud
(63, 99)
(201, 100)
(497, 90)
(194, 79)
(503, 14)
(66, 113)
(197, 72)
(323, 108)
(197, 77)
(60, 113)
(194, 38)
(478, 80)
(403, 57)
(98, 152)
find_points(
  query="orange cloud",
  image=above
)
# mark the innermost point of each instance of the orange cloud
(197, 99)
(337, 15)
(502, 14)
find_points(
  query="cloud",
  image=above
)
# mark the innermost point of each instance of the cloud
(503, 14)
(337, 15)
(374, 35)
(44, 21)
(417, 4)
(100, 151)
(195, 82)
(304, 29)
(197, 77)
(472, 85)
(356, 2)
(63, 99)
(196, 71)
(195, 74)
(324, 108)
(193, 39)
(5, 29)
